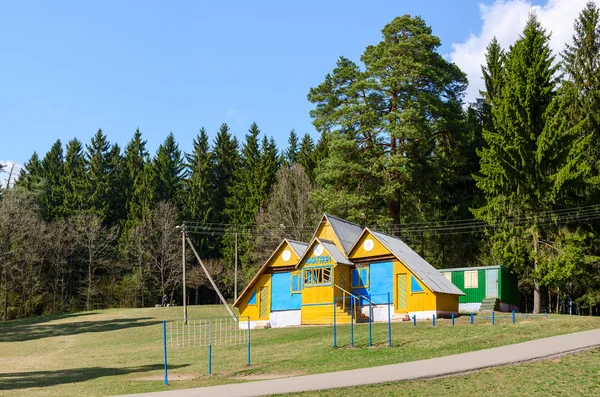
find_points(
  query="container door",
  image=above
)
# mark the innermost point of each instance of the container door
(265, 306)
(401, 288)
(491, 283)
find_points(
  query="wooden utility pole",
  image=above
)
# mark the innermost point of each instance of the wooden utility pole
(212, 282)
(235, 283)
(183, 237)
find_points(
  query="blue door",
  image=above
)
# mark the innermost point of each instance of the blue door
(281, 290)
(381, 281)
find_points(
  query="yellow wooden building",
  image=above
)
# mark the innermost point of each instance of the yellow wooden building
(345, 271)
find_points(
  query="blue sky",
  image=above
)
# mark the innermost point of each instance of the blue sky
(71, 67)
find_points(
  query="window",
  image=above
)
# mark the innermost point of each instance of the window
(317, 276)
(448, 276)
(252, 300)
(295, 284)
(360, 277)
(471, 279)
(414, 285)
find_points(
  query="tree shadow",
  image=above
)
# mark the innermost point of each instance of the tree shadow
(24, 380)
(29, 331)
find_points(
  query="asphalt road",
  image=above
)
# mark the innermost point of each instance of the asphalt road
(435, 367)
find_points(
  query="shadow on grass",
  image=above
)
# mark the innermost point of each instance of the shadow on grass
(21, 332)
(24, 380)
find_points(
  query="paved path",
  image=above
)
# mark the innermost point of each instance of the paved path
(459, 363)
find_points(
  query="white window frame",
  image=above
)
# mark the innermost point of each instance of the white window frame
(472, 279)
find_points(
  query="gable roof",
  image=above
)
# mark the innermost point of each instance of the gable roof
(346, 232)
(429, 275)
(298, 247)
(331, 248)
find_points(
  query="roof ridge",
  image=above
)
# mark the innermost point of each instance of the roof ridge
(342, 220)
(296, 241)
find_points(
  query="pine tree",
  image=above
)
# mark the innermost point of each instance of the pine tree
(290, 156)
(169, 167)
(98, 183)
(517, 163)
(52, 171)
(389, 128)
(493, 77)
(74, 179)
(199, 202)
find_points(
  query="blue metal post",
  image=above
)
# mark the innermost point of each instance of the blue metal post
(433, 320)
(334, 322)
(165, 351)
(351, 321)
(453, 319)
(514, 317)
(492, 317)
(248, 340)
(370, 322)
(472, 318)
(389, 321)
(415, 320)
(210, 347)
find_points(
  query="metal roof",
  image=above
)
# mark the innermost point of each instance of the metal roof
(430, 276)
(298, 246)
(346, 232)
(462, 269)
(333, 250)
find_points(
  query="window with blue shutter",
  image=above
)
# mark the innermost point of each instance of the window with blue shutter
(414, 285)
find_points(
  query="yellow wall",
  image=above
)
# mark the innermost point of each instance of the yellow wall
(278, 261)
(360, 252)
(447, 302)
(325, 232)
(317, 301)
(254, 310)
(416, 301)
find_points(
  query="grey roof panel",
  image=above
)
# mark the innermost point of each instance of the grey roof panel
(338, 257)
(429, 275)
(346, 232)
(298, 246)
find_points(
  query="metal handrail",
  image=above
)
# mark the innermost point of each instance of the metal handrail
(354, 296)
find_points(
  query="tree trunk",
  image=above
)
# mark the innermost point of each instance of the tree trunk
(394, 211)
(537, 306)
(557, 299)
(89, 291)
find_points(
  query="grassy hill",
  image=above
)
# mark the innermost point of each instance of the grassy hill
(119, 351)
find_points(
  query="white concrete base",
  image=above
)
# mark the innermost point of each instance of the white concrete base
(472, 307)
(285, 318)
(428, 314)
(380, 312)
(254, 324)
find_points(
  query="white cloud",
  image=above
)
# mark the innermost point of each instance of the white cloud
(505, 19)
(5, 173)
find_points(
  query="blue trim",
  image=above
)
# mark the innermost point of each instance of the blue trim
(317, 304)
(414, 285)
(252, 300)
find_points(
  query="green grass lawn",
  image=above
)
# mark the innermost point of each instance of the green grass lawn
(574, 375)
(112, 351)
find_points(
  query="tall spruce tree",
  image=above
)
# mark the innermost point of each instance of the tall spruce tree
(290, 156)
(98, 183)
(225, 159)
(199, 201)
(136, 158)
(117, 211)
(169, 167)
(305, 155)
(52, 170)
(391, 127)
(30, 176)
(515, 164)
(74, 179)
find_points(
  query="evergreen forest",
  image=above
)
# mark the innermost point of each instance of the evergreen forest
(512, 179)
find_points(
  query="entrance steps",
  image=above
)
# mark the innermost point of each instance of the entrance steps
(490, 304)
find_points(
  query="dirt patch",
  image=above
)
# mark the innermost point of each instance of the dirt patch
(171, 377)
(271, 375)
